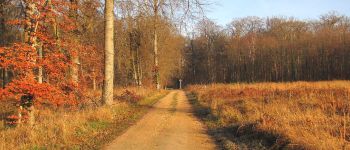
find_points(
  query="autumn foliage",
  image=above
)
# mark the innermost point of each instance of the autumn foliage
(41, 25)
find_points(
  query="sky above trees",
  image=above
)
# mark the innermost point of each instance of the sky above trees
(224, 10)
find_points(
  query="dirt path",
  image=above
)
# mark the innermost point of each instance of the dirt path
(170, 125)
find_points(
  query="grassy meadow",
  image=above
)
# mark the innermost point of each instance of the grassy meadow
(88, 127)
(299, 115)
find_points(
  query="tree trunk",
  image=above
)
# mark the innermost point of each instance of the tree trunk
(140, 73)
(40, 68)
(30, 38)
(155, 50)
(132, 47)
(134, 69)
(107, 96)
(138, 68)
(74, 69)
(4, 77)
(94, 87)
(31, 115)
(2, 23)
(55, 34)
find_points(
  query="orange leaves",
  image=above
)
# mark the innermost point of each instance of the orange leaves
(44, 93)
(2, 58)
(22, 59)
(50, 32)
(15, 22)
(18, 57)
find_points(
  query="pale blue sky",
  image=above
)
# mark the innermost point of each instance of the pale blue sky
(225, 10)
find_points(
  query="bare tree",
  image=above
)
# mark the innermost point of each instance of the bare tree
(176, 10)
(273, 49)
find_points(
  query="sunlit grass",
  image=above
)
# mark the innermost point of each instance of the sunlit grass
(88, 128)
(312, 115)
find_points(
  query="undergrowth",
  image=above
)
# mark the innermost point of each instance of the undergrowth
(88, 128)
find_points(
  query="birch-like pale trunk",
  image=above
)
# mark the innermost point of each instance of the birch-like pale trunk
(133, 63)
(134, 49)
(107, 95)
(140, 75)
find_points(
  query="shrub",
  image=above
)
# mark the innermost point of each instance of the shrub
(130, 97)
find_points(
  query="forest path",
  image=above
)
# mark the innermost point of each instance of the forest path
(170, 125)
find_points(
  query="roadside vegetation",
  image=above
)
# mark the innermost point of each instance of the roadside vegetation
(299, 115)
(61, 61)
(88, 127)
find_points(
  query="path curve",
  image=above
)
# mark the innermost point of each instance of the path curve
(170, 125)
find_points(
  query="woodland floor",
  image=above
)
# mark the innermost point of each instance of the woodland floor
(86, 128)
(169, 125)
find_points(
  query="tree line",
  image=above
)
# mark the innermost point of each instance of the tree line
(277, 49)
(58, 50)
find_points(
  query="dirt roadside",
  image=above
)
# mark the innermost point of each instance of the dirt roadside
(170, 125)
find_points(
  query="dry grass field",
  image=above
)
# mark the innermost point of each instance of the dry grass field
(300, 115)
(89, 127)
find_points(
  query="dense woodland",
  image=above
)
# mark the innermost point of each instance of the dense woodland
(54, 49)
(275, 49)
(57, 47)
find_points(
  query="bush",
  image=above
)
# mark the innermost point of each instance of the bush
(129, 97)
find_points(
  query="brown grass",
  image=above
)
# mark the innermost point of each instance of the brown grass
(300, 115)
(87, 128)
